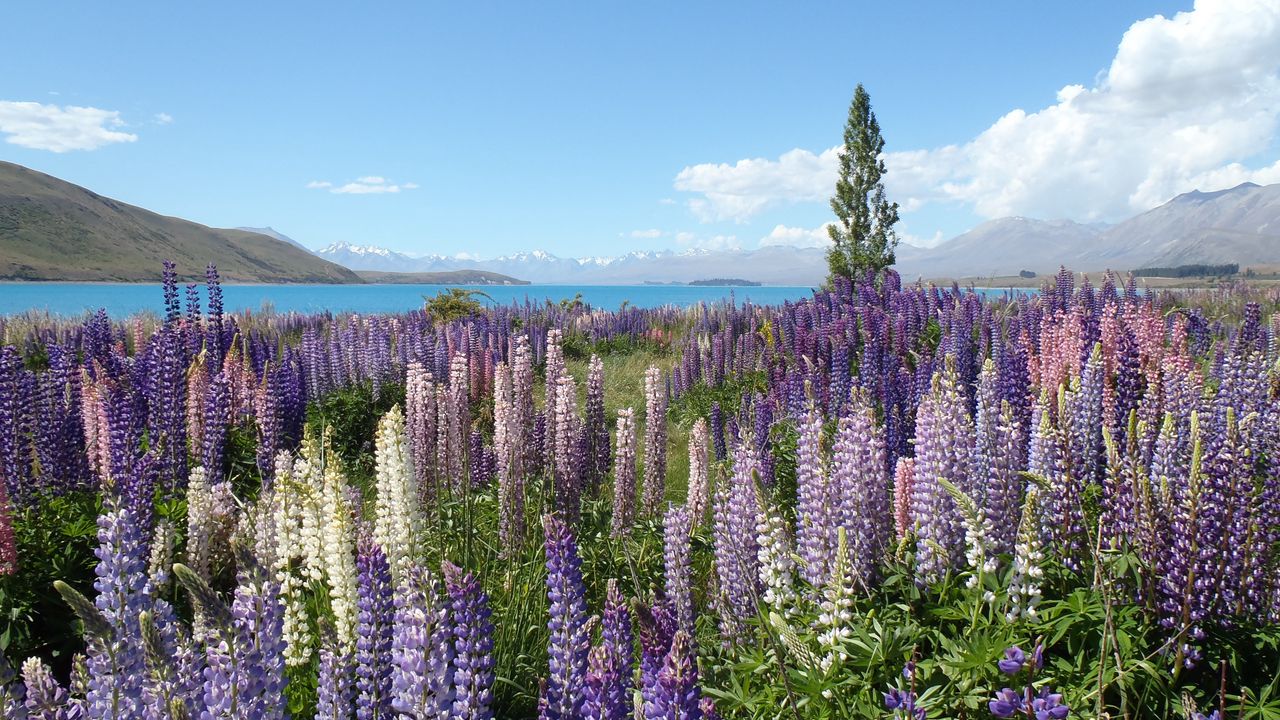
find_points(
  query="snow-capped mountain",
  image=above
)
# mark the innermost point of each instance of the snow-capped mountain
(771, 265)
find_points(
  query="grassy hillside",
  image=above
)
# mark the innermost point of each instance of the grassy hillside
(449, 277)
(53, 230)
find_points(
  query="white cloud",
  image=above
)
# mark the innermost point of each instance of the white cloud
(667, 201)
(163, 118)
(60, 128)
(367, 185)
(798, 237)
(647, 234)
(1185, 104)
(743, 189)
(695, 241)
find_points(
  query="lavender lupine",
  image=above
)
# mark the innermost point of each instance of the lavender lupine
(816, 518)
(944, 437)
(46, 699)
(217, 412)
(657, 628)
(373, 634)
(1041, 703)
(859, 487)
(421, 649)
(699, 489)
(677, 528)
(420, 425)
(16, 387)
(624, 475)
(607, 691)
(116, 664)
(568, 465)
(596, 430)
(569, 644)
(335, 687)
(472, 666)
(736, 549)
(655, 443)
(508, 444)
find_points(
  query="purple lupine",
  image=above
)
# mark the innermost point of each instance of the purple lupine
(46, 699)
(607, 691)
(217, 410)
(116, 660)
(717, 431)
(257, 613)
(335, 691)
(737, 515)
(657, 626)
(596, 435)
(677, 563)
(472, 666)
(421, 649)
(624, 475)
(373, 633)
(816, 519)
(944, 439)
(569, 644)
(16, 387)
(169, 281)
(214, 339)
(678, 696)
(567, 464)
(860, 488)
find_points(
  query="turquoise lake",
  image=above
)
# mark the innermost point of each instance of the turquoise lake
(123, 299)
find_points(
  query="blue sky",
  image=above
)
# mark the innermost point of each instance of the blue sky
(593, 129)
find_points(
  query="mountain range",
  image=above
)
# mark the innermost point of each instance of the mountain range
(53, 230)
(1240, 225)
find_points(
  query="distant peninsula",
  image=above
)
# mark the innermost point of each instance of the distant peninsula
(449, 277)
(725, 282)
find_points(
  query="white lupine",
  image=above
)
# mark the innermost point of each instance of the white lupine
(654, 485)
(198, 509)
(777, 566)
(338, 553)
(1024, 585)
(624, 474)
(835, 611)
(396, 513)
(699, 483)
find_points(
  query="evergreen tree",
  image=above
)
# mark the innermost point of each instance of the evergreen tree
(863, 235)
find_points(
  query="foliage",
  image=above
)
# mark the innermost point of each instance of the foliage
(863, 237)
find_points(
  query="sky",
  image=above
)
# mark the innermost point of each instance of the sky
(590, 129)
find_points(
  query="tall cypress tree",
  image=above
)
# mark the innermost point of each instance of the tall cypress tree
(863, 235)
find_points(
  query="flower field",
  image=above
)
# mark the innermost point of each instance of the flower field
(882, 501)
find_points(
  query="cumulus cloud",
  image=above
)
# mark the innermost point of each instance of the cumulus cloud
(367, 185)
(60, 128)
(695, 241)
(647, 234)
(1186, 103)
(163, 118)
(798, 237)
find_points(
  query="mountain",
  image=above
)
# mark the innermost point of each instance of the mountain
(1003, 246)
(449, 277)
(51, 229)
(1239, 225)
(772, 265)
(273, 233)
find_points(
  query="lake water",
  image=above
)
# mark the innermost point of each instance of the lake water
(123, 299)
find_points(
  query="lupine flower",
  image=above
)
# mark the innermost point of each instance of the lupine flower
(677, 527)
(335, 689)
(421, 649)
(607, 691)
(904, 475)
(569, 644)
(624, 475)
(736, 548)
(46, 699)
(699, 491)
(12, 693)
(835, 611)
(373, 634)
(777, 569)
(396, 513)
(472, 666)
(596, 431)
(655, 443)
(944, 438)
(816, 511)
(678, 696)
